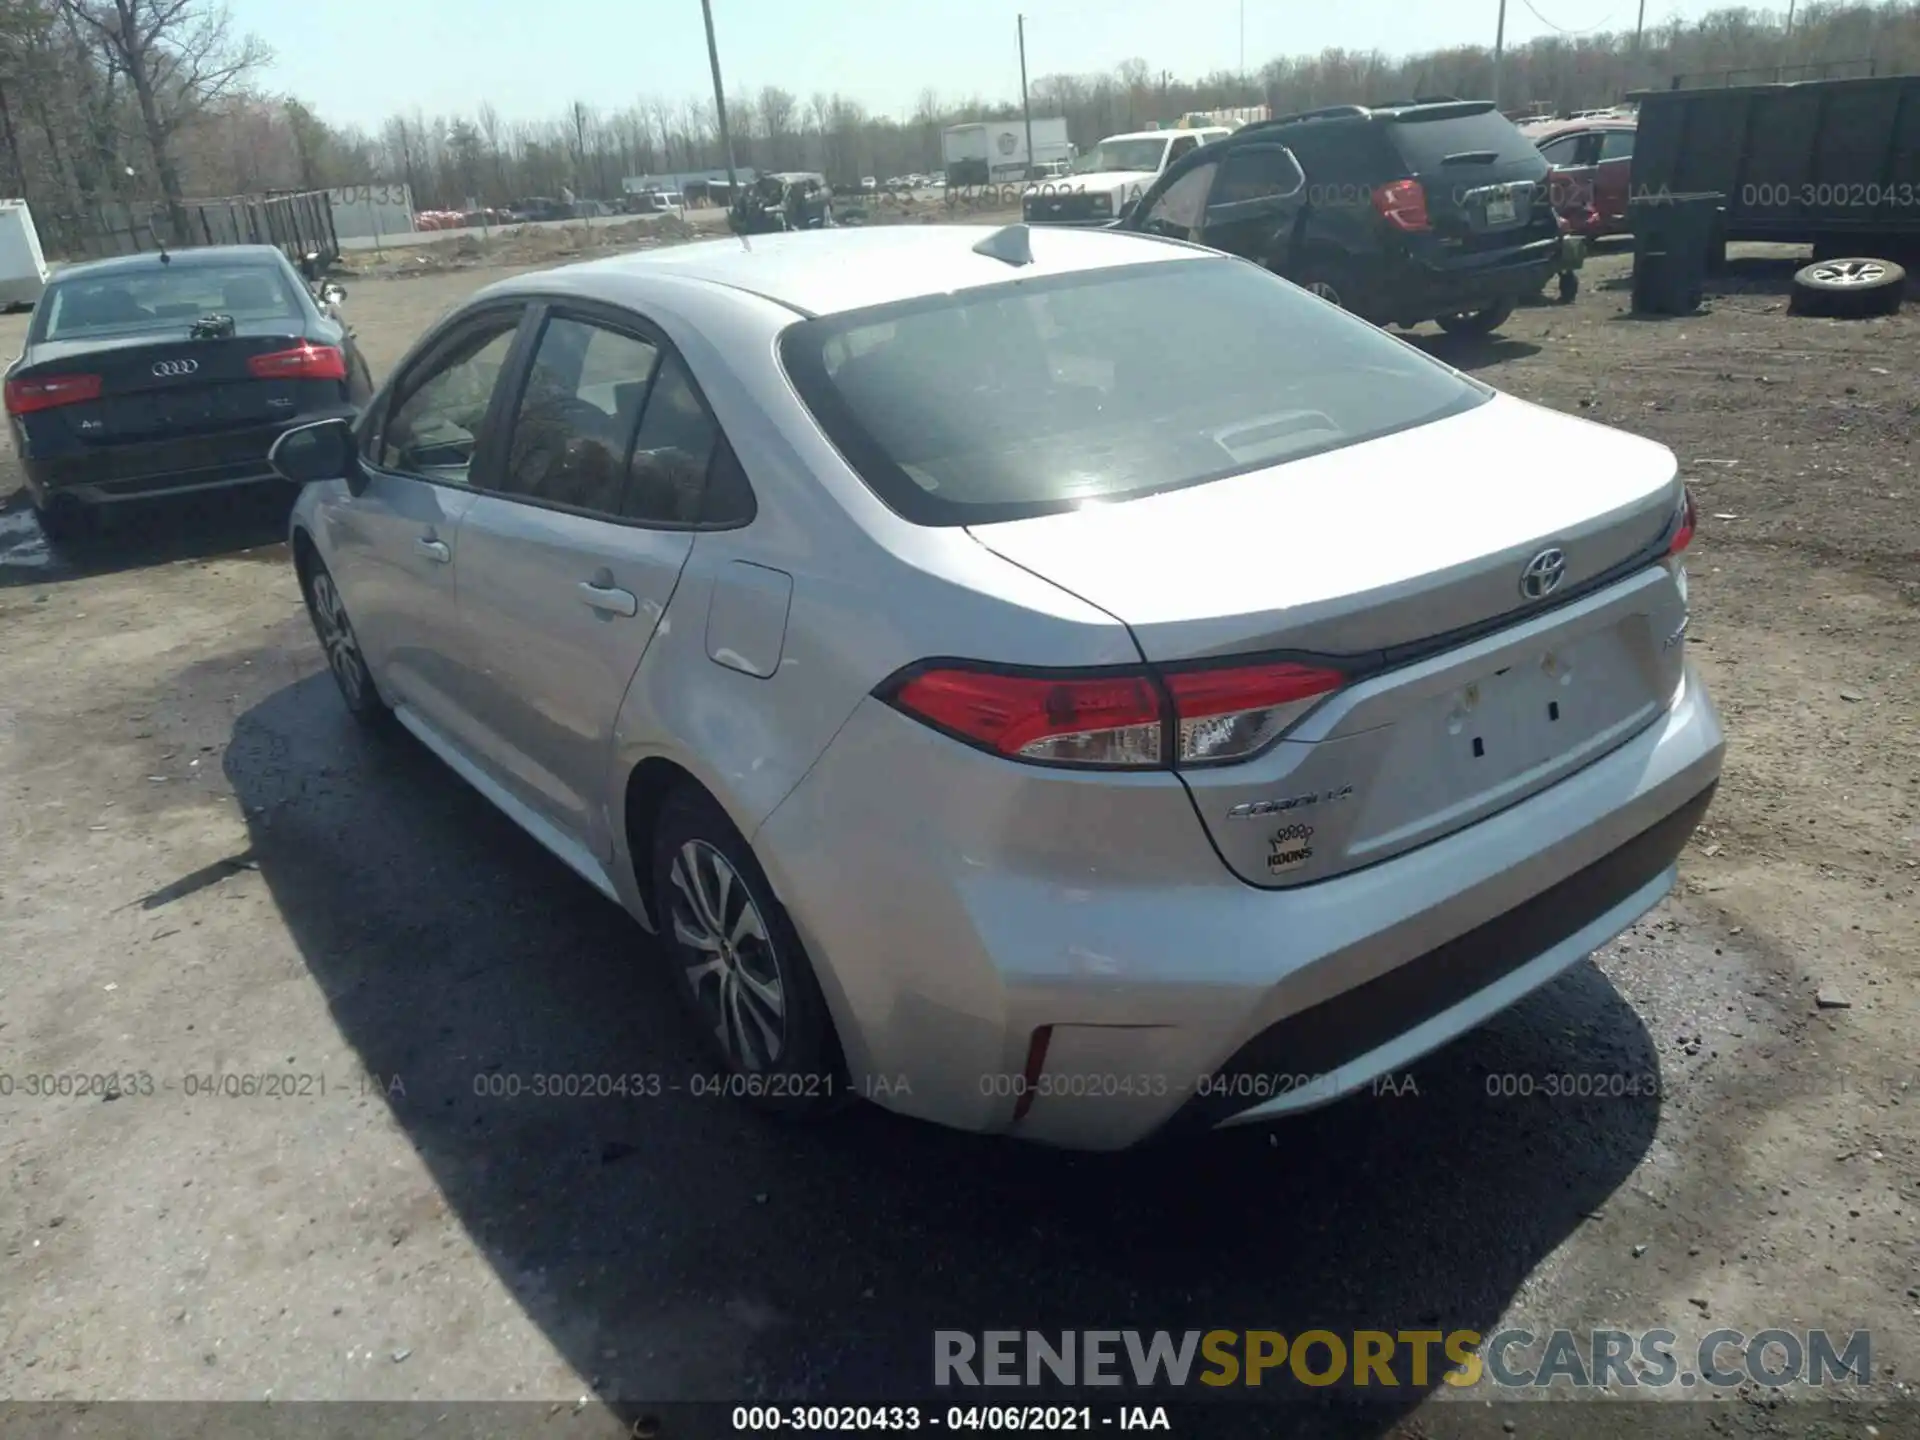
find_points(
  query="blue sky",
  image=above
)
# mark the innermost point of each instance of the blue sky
(361, 60)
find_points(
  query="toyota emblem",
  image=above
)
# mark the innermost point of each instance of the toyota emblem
(1543, 574)
(175, 367)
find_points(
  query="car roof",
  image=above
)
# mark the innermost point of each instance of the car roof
(1145, 135)
(824, 272)
(198, 257)
(1551, 129)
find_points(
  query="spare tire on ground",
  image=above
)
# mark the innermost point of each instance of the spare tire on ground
(1848, 288)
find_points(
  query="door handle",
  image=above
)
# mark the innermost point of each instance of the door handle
(434, 550)
(608, 599)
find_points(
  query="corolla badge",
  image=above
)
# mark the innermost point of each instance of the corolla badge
(1543, 574)
(1253, 809)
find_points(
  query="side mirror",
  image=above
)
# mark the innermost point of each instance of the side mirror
(323, 450)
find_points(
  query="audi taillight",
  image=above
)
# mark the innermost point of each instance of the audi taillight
(1683, 524)
(303, 362)
(45, 392)
(1123, 719)
(1403, 204)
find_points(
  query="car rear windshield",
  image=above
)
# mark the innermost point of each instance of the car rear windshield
(1037, 396)
(165, 296)
(1485, 137)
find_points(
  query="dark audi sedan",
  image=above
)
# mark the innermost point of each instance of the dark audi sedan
(160, 374)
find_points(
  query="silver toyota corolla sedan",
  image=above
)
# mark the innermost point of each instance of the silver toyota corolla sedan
(1067, 684)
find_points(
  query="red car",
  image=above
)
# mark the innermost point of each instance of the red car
(1592, 159)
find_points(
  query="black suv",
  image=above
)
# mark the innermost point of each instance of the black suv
(1433, 210)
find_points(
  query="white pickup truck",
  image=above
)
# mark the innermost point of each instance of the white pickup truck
(1111, 175)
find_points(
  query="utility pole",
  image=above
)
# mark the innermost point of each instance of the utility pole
(1789, 19)
(1243, 42)
(1499, 47)
(720, 102)
(1641, 24)
(1025, 108)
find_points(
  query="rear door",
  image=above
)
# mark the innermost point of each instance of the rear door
(1485, 182)
(1253, 206)
(1613, 178)
(568, 563)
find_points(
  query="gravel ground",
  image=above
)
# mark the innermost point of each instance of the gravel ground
(205, 868)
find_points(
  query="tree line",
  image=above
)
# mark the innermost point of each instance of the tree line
(134, 102)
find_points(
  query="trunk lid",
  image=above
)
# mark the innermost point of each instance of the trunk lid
(170, 384)
(1402, 559)
(1485, 182)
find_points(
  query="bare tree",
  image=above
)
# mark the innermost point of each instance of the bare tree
(775, 111)
(180, 57)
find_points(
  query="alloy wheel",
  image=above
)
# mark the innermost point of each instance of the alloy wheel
(735, 974)
(1850, 272)
(337, 639)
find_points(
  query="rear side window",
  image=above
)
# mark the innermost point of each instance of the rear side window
(1039, 396)
(1487, 136)
(163, 297)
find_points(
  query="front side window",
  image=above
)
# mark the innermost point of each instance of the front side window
(1616, 145)
(577, 415)
(1178, 210)
(1038, 396)
(435, 423)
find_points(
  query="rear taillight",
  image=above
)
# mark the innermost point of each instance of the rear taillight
(1234, 712)
(44, 392)
(1112, 719)
(1683, 524)
(1135, 720)
(1403, 204)
(303, 362)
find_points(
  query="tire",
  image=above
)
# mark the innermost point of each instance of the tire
(752, 990)
(1848, 288)
(341, 646)
(66, 523)
(1328, 279)
(1478, 322)
(1569, 286)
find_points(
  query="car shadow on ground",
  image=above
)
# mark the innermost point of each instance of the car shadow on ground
(1472, 352)
(140, 536)
(676, 1247)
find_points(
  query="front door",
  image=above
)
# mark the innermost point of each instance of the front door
(393, 545)
(568, 566)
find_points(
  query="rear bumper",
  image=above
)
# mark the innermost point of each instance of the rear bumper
(1420, 289)
(950, 921)
(143, 470)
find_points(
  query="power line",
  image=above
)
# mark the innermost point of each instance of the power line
(1564, 30)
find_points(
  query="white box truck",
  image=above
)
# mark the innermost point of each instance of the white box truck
(23, 269)
(994, 151)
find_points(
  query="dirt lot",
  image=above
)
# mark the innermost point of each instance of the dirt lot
(205, 869)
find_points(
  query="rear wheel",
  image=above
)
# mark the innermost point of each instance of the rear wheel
(1329, 280)
(1477, 322)
(738, 963)
(64, 521)
(344, 658)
